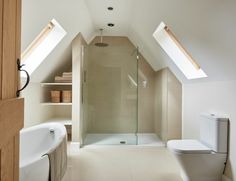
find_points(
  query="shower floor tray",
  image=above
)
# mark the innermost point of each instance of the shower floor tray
(148, 139)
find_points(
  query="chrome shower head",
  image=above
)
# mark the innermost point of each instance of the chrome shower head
(101, 43)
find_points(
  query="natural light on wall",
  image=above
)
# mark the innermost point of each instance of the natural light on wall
(177, 53)
(42, 46)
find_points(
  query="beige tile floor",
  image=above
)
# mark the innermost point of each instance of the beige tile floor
(121, 163)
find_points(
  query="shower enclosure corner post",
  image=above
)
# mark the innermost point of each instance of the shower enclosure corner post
(77, 70)
(137, 128)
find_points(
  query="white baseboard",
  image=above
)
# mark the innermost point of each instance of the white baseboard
(225, 178)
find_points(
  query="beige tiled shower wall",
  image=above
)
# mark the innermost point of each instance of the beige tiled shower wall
(112, 96)
(168, 105)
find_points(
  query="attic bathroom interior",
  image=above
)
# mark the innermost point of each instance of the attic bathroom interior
(116, 90)
(122, 99)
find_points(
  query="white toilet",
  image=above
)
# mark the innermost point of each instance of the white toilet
(204, 159)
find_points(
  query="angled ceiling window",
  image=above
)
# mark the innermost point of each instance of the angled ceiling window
(170, 44)
(42, 46)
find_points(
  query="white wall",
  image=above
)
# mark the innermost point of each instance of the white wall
(213, 97)
(35, 113)
(72, 15)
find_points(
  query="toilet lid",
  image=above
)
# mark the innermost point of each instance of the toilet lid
(188, 146)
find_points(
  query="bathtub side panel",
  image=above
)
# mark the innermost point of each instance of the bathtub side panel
(31, 172)
(35, 142)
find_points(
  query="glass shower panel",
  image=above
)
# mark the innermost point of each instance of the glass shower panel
(84, 92)
(110, 96)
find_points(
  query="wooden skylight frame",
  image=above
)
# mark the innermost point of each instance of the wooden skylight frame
(177, 42)
(36, 42)
(42, 46)
(177, 53)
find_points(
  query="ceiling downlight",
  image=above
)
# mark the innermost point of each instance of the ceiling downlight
(111, 24)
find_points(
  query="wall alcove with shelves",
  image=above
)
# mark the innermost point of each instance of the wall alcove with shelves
(48, 87)
(68, 113)
(62, 108)
(39, 107)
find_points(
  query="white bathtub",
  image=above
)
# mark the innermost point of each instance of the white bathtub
(34, 143)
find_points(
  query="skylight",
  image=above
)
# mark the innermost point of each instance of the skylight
(167, 40)
(42, 46)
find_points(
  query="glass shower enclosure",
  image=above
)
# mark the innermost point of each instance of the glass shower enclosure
(110, 95)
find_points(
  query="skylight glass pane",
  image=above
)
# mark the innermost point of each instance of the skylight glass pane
(177, 53)
(42, 47)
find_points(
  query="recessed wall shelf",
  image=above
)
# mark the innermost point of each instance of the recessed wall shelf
(47, 87)
(52, 84)
(64, 121)
(56, 104)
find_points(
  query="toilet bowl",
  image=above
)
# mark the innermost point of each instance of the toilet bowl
(204, 159)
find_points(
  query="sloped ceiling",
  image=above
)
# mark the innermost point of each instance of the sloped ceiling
(206, 28)
(72, 15)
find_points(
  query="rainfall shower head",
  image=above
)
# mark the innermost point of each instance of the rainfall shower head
(101, 43)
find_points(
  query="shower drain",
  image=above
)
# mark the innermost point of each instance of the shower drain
(122, 142)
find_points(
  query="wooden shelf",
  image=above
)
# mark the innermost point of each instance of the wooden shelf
(52, 84)
(64, 121)
(56, 104)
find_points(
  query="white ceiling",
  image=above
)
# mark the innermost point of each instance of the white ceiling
(73, 17)
(101, 16)
(206, 28)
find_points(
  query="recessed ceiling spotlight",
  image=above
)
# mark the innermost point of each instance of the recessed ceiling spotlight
(111, 24)
(110, 8)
